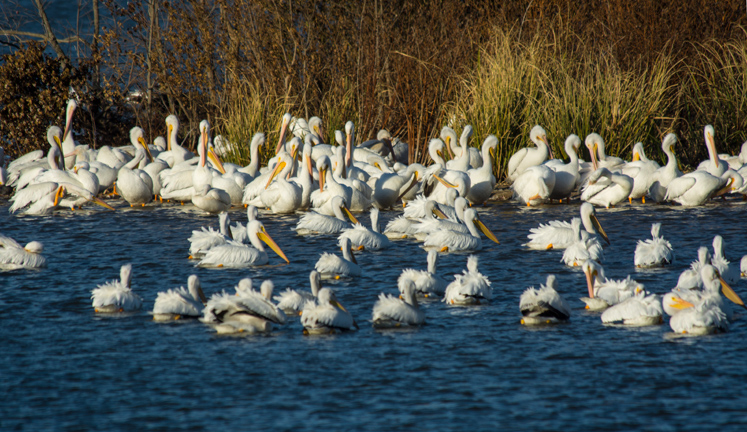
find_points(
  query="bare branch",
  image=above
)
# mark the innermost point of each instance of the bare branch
(50, 35)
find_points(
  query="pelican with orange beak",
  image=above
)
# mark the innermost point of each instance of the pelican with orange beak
(237, 255)
(452, 241)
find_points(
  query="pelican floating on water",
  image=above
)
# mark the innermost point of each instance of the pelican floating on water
(427, 282)
(642, 309)
(326, 316)
(469, 288)
(544, 305)
(13, 256)
(238, 255)
(526, 157)
(560, 235)
(390, 311)
(179, 303)
(116, 296)
(655, 252)
(292, 301)
(247, 311)
(331, 266)
(317, 223)
(206, 238)
(452, 241)
(364, 238)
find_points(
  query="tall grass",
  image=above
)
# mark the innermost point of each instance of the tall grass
(715, 93)
(515, 86)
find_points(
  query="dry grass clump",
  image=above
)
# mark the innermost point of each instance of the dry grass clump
(516, 86)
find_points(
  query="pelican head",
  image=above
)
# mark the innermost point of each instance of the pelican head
(125, 275)
(669, 140)
(594, 143)
(195, 289)
(54, 136)
(339, 202)
(471, 214)
(266, 289)
(349, 128)
(491, 144)
(315, 125)
(638, 153)
(257, 229)
(588, 213)
(538, 135)
(34, 247)
(172, 128)
(711, 281)
(347, 250)
(599, 173)
(572, 144)
(137, 137)
(315, 280)
(339, 137)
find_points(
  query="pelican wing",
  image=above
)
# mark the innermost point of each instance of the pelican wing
(293, 300)
(256, 304)
(178, 302)
(633, 309)
(233, 255)
(313, 222)
(325, 315)
(32, 194)
(653, 252)
(679, 186)
(389, 307)
(115, 294)
(543, 302)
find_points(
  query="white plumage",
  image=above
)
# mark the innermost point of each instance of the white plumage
(116, 296)
(469, 288)
(178, 303)
(452, 241)
(317, 223)
(605, 188)
(204, 239)
(535, 185)
(655, 252)
(238, 255)
(327, 315)
(543, 305)
(642, 309)
(13, 256)
(293, 301)
(427, 282)
(333, 266)
(585, 247)
(363, 238)
(247, 311)
(390, 311)
(560, 235)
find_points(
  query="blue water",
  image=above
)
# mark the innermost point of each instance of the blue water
(470, 368)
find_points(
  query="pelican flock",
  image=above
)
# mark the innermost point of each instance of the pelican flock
(323, 185)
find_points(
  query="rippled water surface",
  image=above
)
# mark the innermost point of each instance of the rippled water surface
(476, 368)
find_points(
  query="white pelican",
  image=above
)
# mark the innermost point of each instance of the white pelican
(737, 161)
(430, 223)
(437, 179)
(534, 186)
(595, 144)
(559, 234)
(607, 192)
(175, 153)
(469, 288)
(210, 199)
(655, 252)
(702, 319)
(326, 316)
(136, 186)
(544, 305)
(743, 266)
(661, 178)
(116, 296)
(416, 212)
(248, 310)
(710, 313)
(642, 309)
(206, 238)
(451, 241)
(238, 255)
(179, 303)
(585, 247)
(714, 165)
(13, 256)
(292, 301)
(729, 273)
(331, 266)
(282, 196)
(390, 311)
(641, 170)
(390, 186)
(604, 292)
(695, 188)
(566, 175)
(690, 279)
(427, 282)
(364, 238)
(526, 157)
(317, 223)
